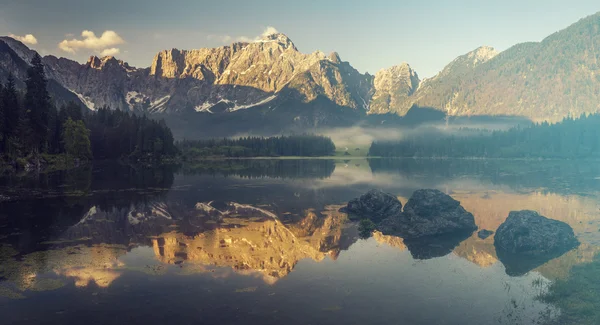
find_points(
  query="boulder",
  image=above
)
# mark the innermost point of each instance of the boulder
(528, 233)
(527, 240)
(430, 213)
(375, 205)
(484, 233)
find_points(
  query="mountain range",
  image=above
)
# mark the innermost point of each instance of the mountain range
(269, 85)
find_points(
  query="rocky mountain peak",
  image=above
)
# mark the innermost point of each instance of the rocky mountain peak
(403, 69)
(482, 54)
(94, 62)
(392, 87)
(464, 64)
(279, 38)
(335, 58)
(19, 48)
(97, 63)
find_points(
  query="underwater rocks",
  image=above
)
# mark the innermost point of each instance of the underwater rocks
(375, 205)
(527, 240)
(484, 233)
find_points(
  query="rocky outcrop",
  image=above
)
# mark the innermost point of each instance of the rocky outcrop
(393, 87)
(430, 213)
(375, 205)
(526, 240)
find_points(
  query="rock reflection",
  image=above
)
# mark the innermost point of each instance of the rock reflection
(428, 247)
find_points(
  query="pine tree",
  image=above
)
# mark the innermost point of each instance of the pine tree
(12, 116)
(54, 131)
(76, 139)
(2, 124)
(37, 105)
(73, 111)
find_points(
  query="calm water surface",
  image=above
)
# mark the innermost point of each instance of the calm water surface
(262, 242)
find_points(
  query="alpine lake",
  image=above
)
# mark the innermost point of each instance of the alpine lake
(263, 242)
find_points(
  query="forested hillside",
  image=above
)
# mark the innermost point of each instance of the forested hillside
(547, 80)
(571, 138)
(116, 134)
(299, 146)
(34, 132)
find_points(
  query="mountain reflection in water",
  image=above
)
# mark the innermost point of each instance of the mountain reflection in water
(271, 231)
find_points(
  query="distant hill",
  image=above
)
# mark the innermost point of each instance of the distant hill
(549, 80)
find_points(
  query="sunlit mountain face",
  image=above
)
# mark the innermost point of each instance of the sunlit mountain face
(268, 239)
(269, 86)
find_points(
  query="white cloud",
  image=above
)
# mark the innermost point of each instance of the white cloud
(103, 44)
(27, 39)
(110, 52)
(270, 30)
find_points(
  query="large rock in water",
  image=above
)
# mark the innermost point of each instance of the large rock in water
(430, 213)
(375, 205)
(527, 240)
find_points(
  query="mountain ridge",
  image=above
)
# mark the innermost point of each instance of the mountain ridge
(546, 80)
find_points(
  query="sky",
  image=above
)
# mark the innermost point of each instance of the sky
(371, 35)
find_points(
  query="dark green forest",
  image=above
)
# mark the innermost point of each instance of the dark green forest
(33, 131)
(298, 146)
(116, 134)
(570, 138)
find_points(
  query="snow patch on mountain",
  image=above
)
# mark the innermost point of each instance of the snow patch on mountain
(159, 105)
(205, 107)
(262, 102)
(133, 98)
(87, 101)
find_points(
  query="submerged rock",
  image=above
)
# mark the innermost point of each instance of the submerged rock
(375, 205)
(527, 240)
(428, 247)
(430, 213)
(484, 233)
